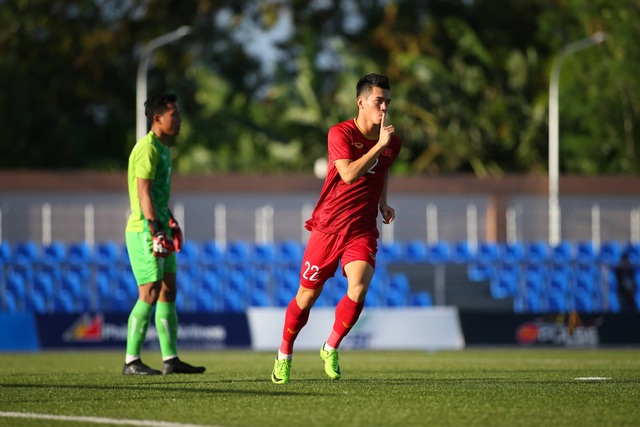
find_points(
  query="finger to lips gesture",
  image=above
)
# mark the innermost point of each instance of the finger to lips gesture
(386, 130)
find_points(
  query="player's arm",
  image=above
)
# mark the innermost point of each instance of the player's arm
(161, 245)
(388, 213)
(146, 202)
(352, 170)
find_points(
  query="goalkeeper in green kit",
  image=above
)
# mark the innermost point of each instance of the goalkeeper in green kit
(153, 236)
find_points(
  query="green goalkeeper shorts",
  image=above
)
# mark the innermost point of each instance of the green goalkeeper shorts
(146, 267)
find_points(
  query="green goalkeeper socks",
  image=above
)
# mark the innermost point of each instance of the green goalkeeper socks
(137, 327)
(167, 326)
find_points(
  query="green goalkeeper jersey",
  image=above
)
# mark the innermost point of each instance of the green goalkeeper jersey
(149, 159)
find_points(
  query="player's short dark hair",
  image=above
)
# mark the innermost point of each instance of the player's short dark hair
(157, 104)
(367, 83)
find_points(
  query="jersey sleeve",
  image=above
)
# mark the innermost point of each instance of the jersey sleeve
(146, 161)
(339, 143)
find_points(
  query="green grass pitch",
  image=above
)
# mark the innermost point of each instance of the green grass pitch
(472, 387)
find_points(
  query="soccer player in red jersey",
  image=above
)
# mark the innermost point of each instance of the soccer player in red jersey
(344, 222)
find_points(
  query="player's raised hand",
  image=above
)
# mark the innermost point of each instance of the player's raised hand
(385, 131)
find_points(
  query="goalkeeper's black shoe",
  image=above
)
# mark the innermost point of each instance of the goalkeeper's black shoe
(177, 366)
(138, 368)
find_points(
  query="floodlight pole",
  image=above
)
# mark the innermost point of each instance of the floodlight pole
(143, 66)
(554, 209)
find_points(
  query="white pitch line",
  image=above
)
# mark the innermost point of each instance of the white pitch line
(592, 378)
(98, 420)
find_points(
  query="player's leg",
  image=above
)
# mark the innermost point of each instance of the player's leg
(359, 263)
(167, 324)
(318, 264)
(147, 273)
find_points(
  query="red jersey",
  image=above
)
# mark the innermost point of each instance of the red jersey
(352, 208)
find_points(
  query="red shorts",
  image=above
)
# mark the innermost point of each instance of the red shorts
(324, 251)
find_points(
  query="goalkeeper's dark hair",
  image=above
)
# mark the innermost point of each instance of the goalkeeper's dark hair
(367, 83)
(157, 104)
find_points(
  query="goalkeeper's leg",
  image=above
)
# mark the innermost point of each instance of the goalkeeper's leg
(167, 325)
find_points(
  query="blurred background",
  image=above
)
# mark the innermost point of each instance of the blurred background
(518, 119)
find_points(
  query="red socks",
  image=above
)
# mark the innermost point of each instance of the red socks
(294, 320)
(347, 313)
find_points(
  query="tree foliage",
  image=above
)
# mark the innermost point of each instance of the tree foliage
(261, 82)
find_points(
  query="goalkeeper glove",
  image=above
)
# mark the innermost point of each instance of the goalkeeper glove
(176, 232)
(162, 246)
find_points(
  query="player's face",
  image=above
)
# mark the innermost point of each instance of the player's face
(376, 104)
(170, 120)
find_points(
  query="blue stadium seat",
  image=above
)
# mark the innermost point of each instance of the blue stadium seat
(211, 253)
(5, 252)
(74, 283)
(534, 279)
(54, 254)
(211, 283)
(421, 299)
(44, 283)
(290, 252)
(263, 254)
(480, 271)
(107, 253)
(462, 252)
(379, 282)
(103, 284)
(79, 253)
(233, 302)
(283, 296)
(613, 302)
(536, 252)
(10, 304)
(119, 302)
(374, 299)
(439, 252)
(399, 282)
(261, 279)
(124, 256)
(16, 285)
(527, 303)
(585, 253)
(389, 252)
(396, 298)
(415, 251)
(562, 253)
(290, 282)
(324, 300)
(207, 302)
(587, 279)
(25, 270)
(126, 285)
(26, 252)
(182, 303)
(610, 253)
(557, 302)
(63, 302)
(189, 253)
(36, 302)
(632, 250)
(505, 282)
(259, 298)
(238, 253)
(560, 280)
(511, 253)
(583, 302)
(487, 252)
(238, 282)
